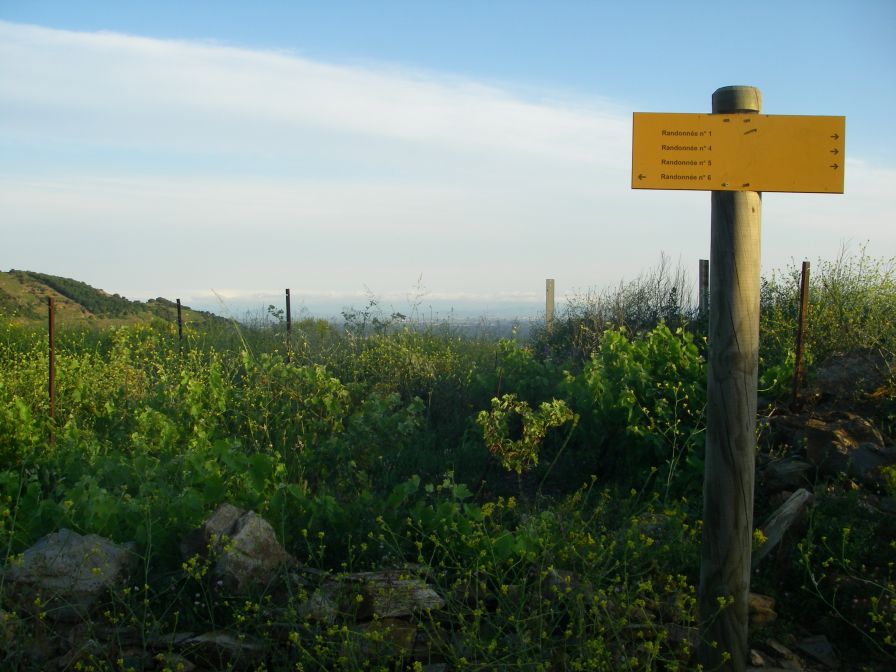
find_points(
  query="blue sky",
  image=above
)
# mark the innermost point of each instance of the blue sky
(463, 150)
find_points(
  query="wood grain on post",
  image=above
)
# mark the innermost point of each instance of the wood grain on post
(732, 376)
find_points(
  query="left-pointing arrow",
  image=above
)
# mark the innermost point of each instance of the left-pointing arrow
(641, 177)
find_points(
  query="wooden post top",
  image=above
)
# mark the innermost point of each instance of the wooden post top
(733, 99)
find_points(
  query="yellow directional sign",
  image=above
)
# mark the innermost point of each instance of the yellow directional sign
(738, 152)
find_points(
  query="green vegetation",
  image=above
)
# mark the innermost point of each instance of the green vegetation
(96, 302)
(549, 489)
(853, 301)
(23, 301)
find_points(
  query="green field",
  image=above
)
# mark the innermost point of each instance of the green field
(547, 488)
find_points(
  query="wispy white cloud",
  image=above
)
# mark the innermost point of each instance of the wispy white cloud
(147, 166)
(123, 89)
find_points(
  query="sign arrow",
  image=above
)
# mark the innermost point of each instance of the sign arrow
(835, 151)
(641, 177)
(836, 136)
(834, 166)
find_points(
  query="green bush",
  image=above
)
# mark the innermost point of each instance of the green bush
(643, 399)
(659, 296)
(97, 302)
(852, 301)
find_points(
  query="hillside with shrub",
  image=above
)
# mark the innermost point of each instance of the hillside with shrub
(23, 301)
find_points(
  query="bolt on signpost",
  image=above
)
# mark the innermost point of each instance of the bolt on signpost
(735, 153)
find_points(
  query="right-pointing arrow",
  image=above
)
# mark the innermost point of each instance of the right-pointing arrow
(835, 151)
(834, 166)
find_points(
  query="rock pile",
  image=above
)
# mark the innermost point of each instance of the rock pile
(70, 581)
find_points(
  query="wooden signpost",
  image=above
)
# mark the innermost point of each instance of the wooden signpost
(735, 153)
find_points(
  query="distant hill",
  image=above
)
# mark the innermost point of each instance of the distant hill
(23, 300)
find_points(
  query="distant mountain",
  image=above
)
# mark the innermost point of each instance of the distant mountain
(23, 299)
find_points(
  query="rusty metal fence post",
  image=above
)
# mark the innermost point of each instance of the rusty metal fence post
(180, 323)
(801, 332)
(549, 304)
(288, 327)
(51, 325)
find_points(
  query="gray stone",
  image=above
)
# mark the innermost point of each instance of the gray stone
(201, 541)
(835, 444)
(252, 556)
(786, 474)
(780, 521)
(384, 594)
(821, 650)
(245, 551)
(69, 573)
(395, 593)
(844, 375)
(237, 650)
(843, 444)
(323, 605)
(757, 659)
(786, 659)
(761, 609)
